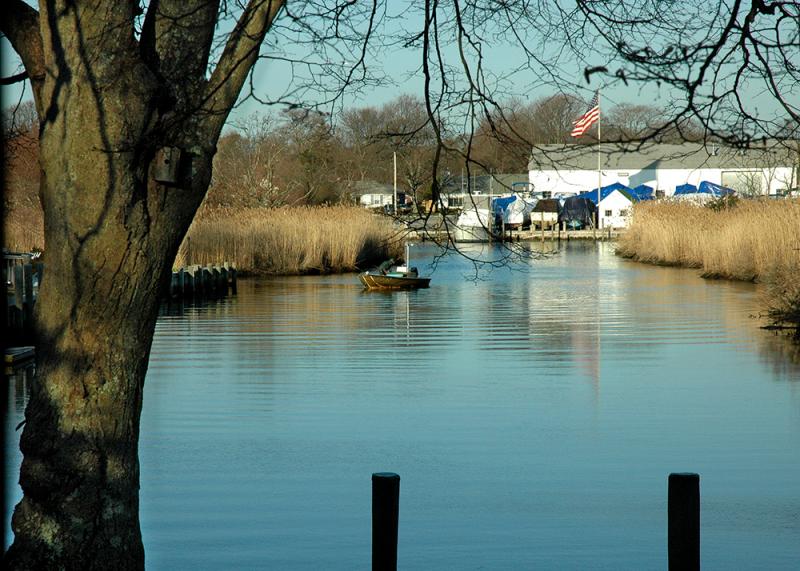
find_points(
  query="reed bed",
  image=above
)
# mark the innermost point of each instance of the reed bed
(754, 240)
(290, 241)
(23, 229)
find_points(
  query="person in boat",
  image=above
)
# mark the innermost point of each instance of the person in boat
(386, 266)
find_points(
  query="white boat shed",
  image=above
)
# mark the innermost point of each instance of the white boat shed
(571, 169)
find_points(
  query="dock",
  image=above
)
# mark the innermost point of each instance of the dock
(529, 235)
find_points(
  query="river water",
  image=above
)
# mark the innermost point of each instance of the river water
(533, 415)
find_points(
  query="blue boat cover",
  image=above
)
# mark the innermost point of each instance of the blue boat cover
(642, 192)
(715, 189)
(704, 188)
(606, 190)
(500, 204)
(685, 189)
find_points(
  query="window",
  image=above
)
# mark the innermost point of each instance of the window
(608, 213)
(623, 212)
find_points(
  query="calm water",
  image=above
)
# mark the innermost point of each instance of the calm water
(533, 416)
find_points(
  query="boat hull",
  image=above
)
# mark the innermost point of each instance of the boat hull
(470, 234)
(373, 280)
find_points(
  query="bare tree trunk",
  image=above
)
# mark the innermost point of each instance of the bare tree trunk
(111, 237)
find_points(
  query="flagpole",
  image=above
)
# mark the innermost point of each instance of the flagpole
(394, 198)
(599, 171)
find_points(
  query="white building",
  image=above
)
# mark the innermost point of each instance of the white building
(615, 210)
(571, 169)
(376, 195)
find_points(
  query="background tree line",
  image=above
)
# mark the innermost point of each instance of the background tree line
(297, 156)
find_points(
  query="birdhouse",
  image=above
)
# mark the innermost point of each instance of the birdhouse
(166, 165)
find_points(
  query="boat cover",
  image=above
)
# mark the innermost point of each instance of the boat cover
(685, 189)
(642, 192)
(607, 190)
(577, 212)
(518, 212)
(715, 189)
(547, 205)
(500, 204)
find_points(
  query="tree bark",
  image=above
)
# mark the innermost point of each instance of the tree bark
(111, 234)
(108, 105)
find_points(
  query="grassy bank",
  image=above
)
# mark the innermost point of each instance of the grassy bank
(290, 241)
(756, 240)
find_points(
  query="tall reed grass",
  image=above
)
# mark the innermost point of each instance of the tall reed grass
(290, 241)
(23, 229)
(754, 240)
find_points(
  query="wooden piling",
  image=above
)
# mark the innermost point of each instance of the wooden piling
(385, 515)
(188, 282)
(27, 307)
(198, 281)
(19, 286)
(683, 515)
(174, 285)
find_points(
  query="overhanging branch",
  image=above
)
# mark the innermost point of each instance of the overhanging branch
(11, 80)
(20, 23)
(240, 54)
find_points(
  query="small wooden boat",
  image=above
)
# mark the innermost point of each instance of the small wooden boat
(387, 276)
(399, 278)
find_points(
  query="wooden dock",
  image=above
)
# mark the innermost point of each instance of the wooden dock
(551, 234)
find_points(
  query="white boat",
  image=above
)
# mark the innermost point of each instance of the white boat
(518, 214)
(472, 225)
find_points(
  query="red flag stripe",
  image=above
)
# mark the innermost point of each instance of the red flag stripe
(589, 118)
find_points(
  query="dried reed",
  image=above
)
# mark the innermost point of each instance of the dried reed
(23, 229)
(755, 240)
(290, 241)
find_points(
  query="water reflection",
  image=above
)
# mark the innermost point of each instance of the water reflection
(533, 415)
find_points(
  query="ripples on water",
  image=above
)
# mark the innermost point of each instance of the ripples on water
(533, 416)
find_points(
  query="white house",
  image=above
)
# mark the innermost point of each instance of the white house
(616, 205)
(376, 195)
(615, 209)
(571, 169)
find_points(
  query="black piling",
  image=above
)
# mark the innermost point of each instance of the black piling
(385, 512)
(683, 515)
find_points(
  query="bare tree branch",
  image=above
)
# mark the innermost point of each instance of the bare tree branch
(180, 35)
(12, 79)
(20, 23)
(240, 54)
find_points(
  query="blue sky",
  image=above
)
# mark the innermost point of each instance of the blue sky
(271, 79)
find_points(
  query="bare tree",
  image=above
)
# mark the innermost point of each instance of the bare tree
(246, 165)
(131, 99)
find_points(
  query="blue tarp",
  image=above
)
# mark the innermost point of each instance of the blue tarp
(605, 191)
(704, 188)
(642, 192)
(685, 189)
(500, 204)
(715, 189)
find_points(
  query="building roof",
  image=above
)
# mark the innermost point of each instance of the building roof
(482, 184)
(607, 191)
(362, 187)
(646, 156)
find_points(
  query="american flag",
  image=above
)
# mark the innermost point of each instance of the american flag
(589, 118)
